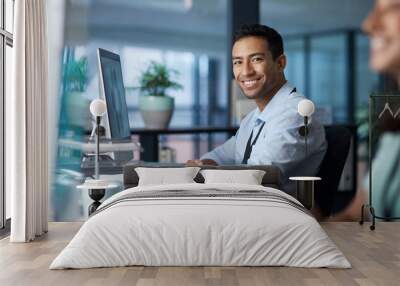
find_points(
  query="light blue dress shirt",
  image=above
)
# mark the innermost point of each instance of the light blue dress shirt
(279, 143)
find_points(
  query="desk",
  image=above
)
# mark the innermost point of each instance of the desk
(149, 140)
(149, 137)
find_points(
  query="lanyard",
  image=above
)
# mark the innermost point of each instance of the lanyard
(249, 145)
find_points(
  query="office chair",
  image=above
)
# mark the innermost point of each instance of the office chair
(338, 138)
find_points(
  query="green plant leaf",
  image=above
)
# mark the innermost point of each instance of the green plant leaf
(75, 74)
(156, 80)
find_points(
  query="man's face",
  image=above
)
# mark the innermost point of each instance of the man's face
(383, 28)
(254, 69)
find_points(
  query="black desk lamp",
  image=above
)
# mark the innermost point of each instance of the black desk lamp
(305, 108)
(97, 108)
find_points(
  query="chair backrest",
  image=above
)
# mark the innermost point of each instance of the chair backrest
(339, 139)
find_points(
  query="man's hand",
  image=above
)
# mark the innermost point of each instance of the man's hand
(193, 163)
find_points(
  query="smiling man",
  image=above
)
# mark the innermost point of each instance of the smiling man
(269, 135)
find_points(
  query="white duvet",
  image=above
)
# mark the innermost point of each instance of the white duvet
(200, 231)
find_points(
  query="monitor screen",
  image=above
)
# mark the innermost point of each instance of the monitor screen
(114, 93)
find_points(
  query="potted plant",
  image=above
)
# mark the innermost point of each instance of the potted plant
(155, 105)
(76, 106)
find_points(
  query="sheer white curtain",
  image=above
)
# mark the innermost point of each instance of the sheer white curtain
(27, 139)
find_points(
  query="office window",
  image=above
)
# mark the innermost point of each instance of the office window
(367, 80)
(325, 29)
(9, 68)
(295, 68)
(367, 83)
(136, 59)
(328, 74)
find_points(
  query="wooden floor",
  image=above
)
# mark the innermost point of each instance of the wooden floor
(374, 255)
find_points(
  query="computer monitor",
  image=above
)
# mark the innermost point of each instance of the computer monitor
(112, 90)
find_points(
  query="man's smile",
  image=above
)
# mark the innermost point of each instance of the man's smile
(249, 83)
(378, 44)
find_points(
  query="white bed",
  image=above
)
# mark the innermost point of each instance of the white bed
(185, 230)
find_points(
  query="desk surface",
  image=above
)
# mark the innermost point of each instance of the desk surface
(200, 129)
(181, 130)
(185, 130)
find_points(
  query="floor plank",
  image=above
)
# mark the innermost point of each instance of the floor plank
(374, 255)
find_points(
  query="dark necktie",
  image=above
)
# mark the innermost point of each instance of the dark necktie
(249, 145)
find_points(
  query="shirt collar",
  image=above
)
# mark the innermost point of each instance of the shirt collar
(274, 105)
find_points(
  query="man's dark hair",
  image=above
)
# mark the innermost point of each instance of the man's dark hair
(273, 38)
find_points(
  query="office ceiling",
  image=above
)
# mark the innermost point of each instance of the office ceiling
(202, 23)
(180, 6)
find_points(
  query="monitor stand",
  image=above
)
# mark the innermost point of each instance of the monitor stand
(105, 160)
(110, 161)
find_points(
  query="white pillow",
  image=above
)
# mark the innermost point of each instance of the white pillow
(164, 176)
(249, 177)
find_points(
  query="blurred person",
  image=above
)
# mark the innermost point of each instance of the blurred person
(269, 135)
(383, 28)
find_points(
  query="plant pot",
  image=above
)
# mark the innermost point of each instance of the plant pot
(156, 111)
(77, 111)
